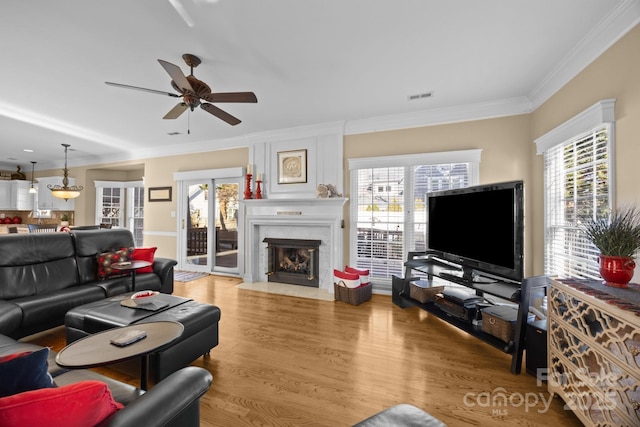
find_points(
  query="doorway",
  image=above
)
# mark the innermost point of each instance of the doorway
(209, 231)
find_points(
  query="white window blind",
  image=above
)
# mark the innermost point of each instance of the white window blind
(578, 186)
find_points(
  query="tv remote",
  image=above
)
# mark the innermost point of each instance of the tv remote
(129, 338)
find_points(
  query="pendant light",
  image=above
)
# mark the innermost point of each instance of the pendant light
(32, 189)
(64, 191)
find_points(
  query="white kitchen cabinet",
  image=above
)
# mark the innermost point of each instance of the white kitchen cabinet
(21, 199)
(14, 195)
(5, 194)
(45, 198)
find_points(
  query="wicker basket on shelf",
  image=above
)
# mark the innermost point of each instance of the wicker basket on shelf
(353, 296)
(500, 321)
(421, 290)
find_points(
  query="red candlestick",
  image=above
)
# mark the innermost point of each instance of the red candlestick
(247, 190)
(258, 190)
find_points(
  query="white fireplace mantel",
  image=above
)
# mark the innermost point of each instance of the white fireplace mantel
(320, 219)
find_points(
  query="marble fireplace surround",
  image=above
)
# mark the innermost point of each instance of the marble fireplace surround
(316, 219)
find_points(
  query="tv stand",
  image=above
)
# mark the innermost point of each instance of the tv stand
(426, 263)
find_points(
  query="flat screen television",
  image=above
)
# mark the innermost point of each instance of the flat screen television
(479, 228)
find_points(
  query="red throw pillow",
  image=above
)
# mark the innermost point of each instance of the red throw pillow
(82, 404)
(145, 254)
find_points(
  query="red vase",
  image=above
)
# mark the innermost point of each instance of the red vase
(617, 271)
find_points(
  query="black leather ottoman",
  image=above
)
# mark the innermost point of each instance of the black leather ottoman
(200, 323)
(401, 415)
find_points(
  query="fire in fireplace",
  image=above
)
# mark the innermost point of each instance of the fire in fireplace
(293, 261)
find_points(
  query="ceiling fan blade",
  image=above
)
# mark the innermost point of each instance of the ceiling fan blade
(159, 92)
(176, 75)
(223, 115)
(176, 111)
(231, 97)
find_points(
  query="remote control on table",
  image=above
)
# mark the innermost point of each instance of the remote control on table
(129, 338)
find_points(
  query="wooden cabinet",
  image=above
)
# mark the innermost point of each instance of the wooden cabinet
(45, 198)
(14, 195)
(594, 351)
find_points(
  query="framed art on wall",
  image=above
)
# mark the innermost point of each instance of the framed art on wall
(292, 167)
(160, 194)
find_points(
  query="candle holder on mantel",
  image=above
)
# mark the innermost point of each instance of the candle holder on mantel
(247, 190)
(258, 189)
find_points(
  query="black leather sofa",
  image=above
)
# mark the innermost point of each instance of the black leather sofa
(175, 401)
(43, 275)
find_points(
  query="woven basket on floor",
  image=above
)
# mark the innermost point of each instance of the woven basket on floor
(353, 296)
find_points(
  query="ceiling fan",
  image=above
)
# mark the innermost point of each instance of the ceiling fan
(194, 91)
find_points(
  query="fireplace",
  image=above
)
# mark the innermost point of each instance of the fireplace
(293, 261)
(304, 219)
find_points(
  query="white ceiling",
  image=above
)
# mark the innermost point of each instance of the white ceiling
(309, 62)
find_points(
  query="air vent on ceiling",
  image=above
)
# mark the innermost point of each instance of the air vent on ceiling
(173, 133)
(420, 96)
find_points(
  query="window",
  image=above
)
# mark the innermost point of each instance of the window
(578, 184)
(135, 212)
(110, 206)
(388, 212)
(121, 205)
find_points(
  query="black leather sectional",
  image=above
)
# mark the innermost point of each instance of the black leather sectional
(44, 275)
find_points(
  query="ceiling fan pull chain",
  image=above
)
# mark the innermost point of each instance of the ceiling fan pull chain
(189, 123)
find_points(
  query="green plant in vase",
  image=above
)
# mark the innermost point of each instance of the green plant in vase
(618, 240)
(64, 220)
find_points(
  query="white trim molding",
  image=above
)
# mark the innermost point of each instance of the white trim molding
(599, 113)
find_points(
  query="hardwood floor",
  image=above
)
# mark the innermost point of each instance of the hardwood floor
(286, 361)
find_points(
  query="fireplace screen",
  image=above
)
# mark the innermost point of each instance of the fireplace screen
(293, 261)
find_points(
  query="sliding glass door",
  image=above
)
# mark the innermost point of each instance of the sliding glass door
(226, 232)
(209, 226)
(195, 226)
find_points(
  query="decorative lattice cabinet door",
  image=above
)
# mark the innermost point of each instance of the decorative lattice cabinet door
(594, 355)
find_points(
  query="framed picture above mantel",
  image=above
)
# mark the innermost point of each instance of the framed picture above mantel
(292, 167)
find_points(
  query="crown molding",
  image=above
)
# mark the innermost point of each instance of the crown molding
(611, 29)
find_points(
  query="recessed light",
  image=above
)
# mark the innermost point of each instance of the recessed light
(28, 150)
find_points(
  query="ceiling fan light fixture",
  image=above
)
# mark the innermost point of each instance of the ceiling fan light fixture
(64, 191)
